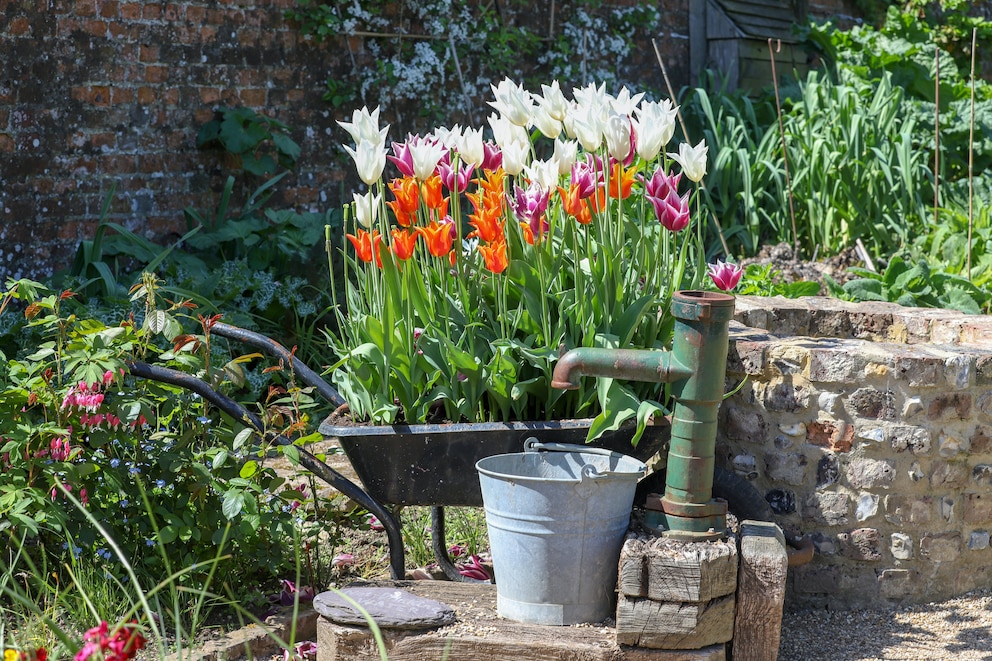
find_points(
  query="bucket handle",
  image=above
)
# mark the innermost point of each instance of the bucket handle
(588, 470)
(534, 445)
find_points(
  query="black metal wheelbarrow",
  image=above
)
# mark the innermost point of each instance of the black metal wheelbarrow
(399, 465)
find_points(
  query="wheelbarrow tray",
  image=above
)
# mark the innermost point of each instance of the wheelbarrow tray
(435, 464)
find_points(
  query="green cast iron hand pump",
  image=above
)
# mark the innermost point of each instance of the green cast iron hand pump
(696, 367)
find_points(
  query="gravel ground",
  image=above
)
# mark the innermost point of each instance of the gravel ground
(958, 629)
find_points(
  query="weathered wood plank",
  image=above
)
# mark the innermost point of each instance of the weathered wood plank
(711, 653)
(479, 635)
(632, 576)
(672, 625)
(757, 49)
(664, 569)
(761, 592)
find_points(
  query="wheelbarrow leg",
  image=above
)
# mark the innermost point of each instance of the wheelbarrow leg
(441, 549)
(394, 534)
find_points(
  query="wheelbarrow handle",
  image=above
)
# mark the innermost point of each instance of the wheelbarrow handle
(307, 459)
(273, 348)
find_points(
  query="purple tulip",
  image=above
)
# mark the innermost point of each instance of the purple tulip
(660, 185)
(492, 159)
(450, 179)
(662, 191)
(452, 228)
(402, 158)
(725, 275)
(530, 204)
(289, 589)
(588, 176)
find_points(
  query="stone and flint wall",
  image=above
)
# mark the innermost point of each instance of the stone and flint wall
(868, 427)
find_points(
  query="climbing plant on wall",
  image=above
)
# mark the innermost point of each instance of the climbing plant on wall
(435, 59)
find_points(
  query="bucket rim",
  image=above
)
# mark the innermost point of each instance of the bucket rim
(613, 474)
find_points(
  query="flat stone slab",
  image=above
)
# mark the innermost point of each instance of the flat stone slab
(389, 608)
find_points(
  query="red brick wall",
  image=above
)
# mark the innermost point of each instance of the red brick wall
(95, 93)
(101, 92)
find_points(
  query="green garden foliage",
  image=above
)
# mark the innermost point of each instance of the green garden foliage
(913, 284)
(855, 157)
(249, 261)
(155, 464)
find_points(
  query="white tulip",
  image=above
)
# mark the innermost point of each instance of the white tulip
(545, 123)
(513, 102)
(425, 156)
(566, 151)
(506, 132)
(655, 125)
(553, 101)
(543, 173)
(592, 96)
(624, 103)
(692, 160)
(470, 146)
(617, 136)
(589, 115)
(364, 125)
(515, 155)
(367, 208)
(448, 137)
(588, 124)
(370, 160)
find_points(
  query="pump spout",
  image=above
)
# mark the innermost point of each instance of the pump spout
(626, 364)
(696, 367)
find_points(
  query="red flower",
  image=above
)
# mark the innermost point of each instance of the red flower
(404, 243)
(366, 245)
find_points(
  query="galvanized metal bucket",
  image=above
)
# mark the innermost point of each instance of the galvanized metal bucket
(557, 515)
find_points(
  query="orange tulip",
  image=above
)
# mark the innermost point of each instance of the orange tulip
(406, 193)
(621, 180)
(478, 199)
(528, 233)
(366, 245)
(438, 238)
(407, 199)
(574, 205)
(404, 243)
(495, 256)
(493, 182)
(487, 224)
(483, 199)
(432, 193)
(598, 200)
(403, 219)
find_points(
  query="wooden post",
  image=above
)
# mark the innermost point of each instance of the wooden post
(760, 592)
